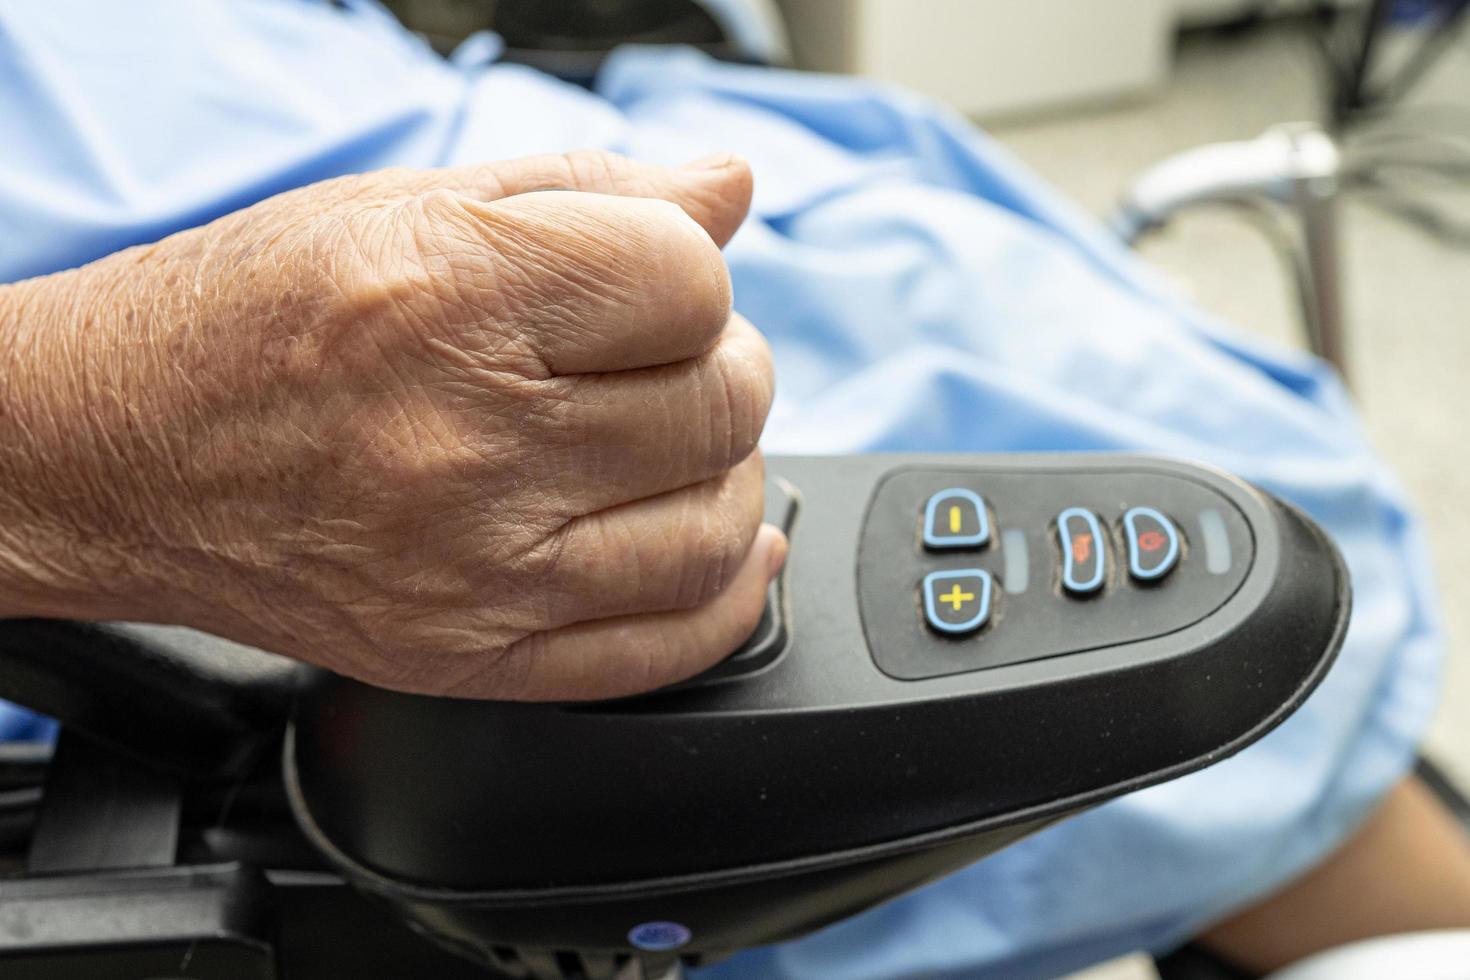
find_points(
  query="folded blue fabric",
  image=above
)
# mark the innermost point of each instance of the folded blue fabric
(921, 290)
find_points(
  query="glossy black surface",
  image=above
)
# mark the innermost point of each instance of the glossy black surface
(848, 753)
(759, 807)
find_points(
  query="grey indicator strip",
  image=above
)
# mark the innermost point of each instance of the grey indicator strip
(1017, 573)
(1216, 540)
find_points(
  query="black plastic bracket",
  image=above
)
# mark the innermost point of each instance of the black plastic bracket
(101, 811)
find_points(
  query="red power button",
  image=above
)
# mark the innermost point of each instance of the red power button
(1153, 544)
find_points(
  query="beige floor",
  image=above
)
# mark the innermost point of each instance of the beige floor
(1408, 297)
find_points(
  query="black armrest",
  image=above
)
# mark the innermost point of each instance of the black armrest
(176, 698)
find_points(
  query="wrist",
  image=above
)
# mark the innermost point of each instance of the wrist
(58, 555)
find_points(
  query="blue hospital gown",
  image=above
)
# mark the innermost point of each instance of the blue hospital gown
(921, 290)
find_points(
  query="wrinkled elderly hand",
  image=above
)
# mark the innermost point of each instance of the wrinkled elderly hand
(443, 431)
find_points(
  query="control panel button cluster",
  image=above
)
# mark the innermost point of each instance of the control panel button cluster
(963, 568)
(958, 601)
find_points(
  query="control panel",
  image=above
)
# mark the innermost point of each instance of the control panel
(960, 650)
(964, 569)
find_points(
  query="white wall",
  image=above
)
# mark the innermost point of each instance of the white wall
(993, 58)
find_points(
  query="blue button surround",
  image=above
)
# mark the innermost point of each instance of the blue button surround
(980, 537)
(1171, 557)
(659, 937)
(982, 613)
(1069, 563)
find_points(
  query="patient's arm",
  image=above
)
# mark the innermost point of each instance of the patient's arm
(1406, 869)
(427, 428)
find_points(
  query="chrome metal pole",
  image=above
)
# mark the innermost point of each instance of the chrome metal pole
(1291, 170)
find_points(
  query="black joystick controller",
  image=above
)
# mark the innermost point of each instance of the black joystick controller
(961, 650)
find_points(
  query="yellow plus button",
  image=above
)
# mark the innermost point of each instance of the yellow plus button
(957, 601)
(957, 598)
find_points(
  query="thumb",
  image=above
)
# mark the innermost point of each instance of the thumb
(714, 191)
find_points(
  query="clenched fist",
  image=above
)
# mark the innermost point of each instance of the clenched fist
(487, 432)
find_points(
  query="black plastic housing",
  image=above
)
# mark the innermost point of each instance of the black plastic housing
(755, 808)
